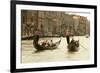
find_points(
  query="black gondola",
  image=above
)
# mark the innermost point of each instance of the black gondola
(73, 46)
(41, 47)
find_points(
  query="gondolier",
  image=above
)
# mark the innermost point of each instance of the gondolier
(67, 37)
(37, 38)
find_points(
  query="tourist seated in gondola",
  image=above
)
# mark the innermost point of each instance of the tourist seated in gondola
(48, 44)
(77, 43)
(72, 41)
(45, 43)
(51, 43)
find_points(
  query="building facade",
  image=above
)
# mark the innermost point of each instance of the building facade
(47, 22)
(52, 23)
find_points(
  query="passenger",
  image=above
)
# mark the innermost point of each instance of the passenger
(72, 41)
(51, 43)
(45, 43)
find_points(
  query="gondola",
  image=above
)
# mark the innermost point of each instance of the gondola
(41, 47)
(73, 46)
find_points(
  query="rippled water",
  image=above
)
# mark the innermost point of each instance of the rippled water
(59, 54)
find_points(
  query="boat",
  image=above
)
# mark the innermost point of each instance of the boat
(41, 47)
(73, 46)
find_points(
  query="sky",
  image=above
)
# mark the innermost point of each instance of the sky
(81, 14)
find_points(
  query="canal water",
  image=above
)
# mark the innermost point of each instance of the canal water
(59, 54)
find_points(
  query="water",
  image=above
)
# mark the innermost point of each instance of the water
(59, 54)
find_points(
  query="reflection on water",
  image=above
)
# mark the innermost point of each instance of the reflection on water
(59, 54)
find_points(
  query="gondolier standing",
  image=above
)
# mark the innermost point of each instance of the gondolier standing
(67, 37)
